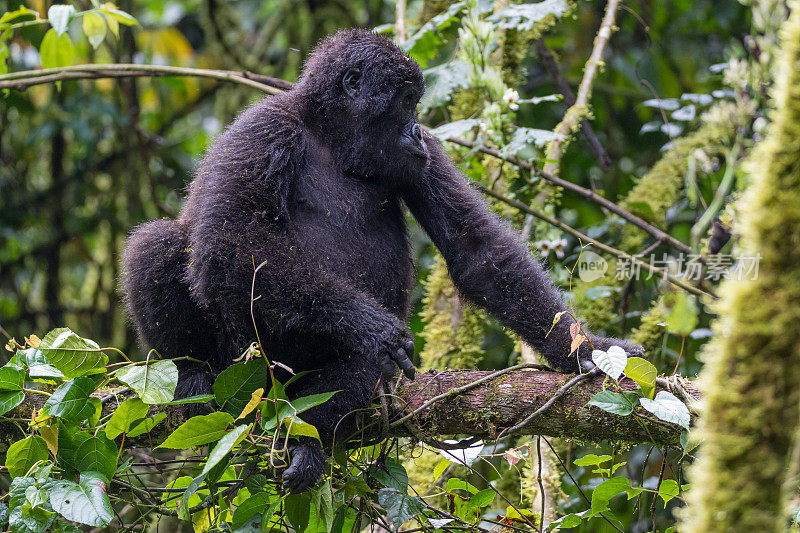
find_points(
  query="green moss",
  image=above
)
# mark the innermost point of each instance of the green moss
(751, 381)
(650, 331)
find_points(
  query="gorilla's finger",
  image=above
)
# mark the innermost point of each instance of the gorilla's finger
(410, 348)
(405, 363)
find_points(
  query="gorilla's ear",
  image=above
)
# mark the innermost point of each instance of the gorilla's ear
(351, 82)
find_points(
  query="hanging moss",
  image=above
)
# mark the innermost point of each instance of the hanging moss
(751, 381)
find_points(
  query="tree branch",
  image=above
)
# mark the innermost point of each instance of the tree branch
(482, 410)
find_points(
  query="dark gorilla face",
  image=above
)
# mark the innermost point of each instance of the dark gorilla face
(391, 144)
(362, 92)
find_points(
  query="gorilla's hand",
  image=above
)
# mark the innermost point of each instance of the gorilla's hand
(604, 343)
(395, 349)
(306, 466)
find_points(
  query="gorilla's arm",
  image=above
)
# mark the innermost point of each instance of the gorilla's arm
(489, 265)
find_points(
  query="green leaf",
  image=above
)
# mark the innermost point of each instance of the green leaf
(154, 383)
(12, 378)
(611, 361)
(129, 413)
(682, 317)
(70, 401)
(97, 454)
(199, 430)
(225, 445)
(323, 502)
(442, 81)
(526, 137)
(399, 506)
(606, 490)
(37, 364)
(254, 505)
(482, 498)
(23, 454)
(305, 403)
(455, 129)
(390, 474)
(440, 468)
(668, 408)
(592, 460)
(10, 399)
(234, 386)
(298, 510)
(17, 13)
(424, 44)
(95, 29)
(614, 402)
(200, 398)
(523, 17)
(569, 520)
(74, 356)
(459, 484)
(643, 373)
(146, 425)
(668, 490)
(60, 16)
(85, 502)
(119, 15)
(299, 428)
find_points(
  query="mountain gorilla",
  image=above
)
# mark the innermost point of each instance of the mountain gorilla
(312, 183)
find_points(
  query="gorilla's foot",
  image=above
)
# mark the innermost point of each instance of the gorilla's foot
(306, 467)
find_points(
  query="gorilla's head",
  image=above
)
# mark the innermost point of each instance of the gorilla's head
(360, 94)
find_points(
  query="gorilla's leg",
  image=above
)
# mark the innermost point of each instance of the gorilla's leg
(336, 420)
(159, 304)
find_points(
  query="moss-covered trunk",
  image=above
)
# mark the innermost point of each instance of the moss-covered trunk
(751, 381)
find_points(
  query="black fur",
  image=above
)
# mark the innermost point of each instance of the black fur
(309, 188)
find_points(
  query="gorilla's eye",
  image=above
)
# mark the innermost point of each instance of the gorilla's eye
(408, 101)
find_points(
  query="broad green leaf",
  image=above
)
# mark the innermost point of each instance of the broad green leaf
(298, 510)
(424, 44)
(74, 356)
(146, 425)
(26, 519)
(455, 129)
(442, 81)
(10, 399)
(606, 490)
(299, 428)
(252, 506)
(154, 383)
(60, 16)
(399, 506)
(36, 496)
(234, 386)
(643, 373)
(668, 408)
(390, 474)
(85, 502)
(323, 502)
(117, 14)
(37, 364)
(305, 403)
(525, 137)
(199, 430)
(440, 468)
(592, 460)
(668, 489)
(128, 414)
(255, 399)
(523, 17)
(482, 498)
(23, 454)
(70, 401)
(225, 445)
(569, 521)
(97, 454)
(95, 29)
(70, 439)
(611, 361)
(459, 484)
(17, 13)
(12, 378)
(682, 317)
(614, 402)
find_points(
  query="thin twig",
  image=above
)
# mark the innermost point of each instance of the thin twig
(585, 238)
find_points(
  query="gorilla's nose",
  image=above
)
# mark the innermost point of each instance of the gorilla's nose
(416, 132)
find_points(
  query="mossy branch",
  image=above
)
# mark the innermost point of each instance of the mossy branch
(482, 411)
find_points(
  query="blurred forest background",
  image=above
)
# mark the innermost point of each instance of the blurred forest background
(677, 103)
